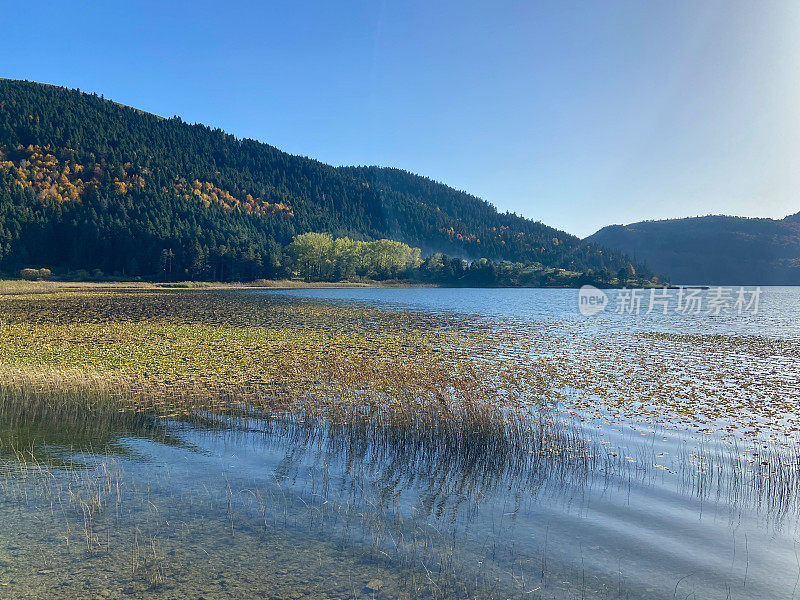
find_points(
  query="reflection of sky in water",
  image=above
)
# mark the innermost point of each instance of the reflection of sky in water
(655, 525)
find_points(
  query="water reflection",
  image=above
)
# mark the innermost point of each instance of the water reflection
(54, 435)
(294, 508)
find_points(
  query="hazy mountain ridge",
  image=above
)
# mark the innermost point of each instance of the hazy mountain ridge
(715, 249)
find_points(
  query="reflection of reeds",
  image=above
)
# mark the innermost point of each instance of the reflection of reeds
(762, 477)
(80, 413)
(470, 452)
(451, 466)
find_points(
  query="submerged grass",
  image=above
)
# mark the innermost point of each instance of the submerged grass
(397, 495)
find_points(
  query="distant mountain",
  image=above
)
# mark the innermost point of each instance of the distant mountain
(715, 250)
(86, 183)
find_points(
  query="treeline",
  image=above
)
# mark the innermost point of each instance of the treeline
(441, 269)
(320, 257)
(90, 185)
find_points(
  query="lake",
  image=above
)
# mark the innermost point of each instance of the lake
(672, 495)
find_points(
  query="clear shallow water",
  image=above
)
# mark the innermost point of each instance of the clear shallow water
(297, 511)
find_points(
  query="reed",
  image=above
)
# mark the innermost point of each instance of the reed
(99, 511)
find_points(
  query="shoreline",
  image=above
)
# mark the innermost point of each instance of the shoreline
(22, 286)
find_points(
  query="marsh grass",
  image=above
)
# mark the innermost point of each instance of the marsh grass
(226, 358)
(188, 354)
(211, 346)
(755, 475)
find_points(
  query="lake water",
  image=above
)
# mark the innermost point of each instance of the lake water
(663, 508)
(777, 314)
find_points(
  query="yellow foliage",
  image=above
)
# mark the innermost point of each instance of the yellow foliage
(211, 194)
(63, 180)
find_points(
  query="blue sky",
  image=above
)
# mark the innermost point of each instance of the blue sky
(576, 114)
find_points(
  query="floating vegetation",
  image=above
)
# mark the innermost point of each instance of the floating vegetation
(742, 386)
(177, 352)
(174, 351)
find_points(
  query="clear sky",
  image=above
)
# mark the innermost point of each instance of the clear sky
(576, 114)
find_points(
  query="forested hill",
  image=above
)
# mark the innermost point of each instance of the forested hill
(86, 183)
(715, 250)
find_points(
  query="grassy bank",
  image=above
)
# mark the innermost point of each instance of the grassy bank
(21, 286)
